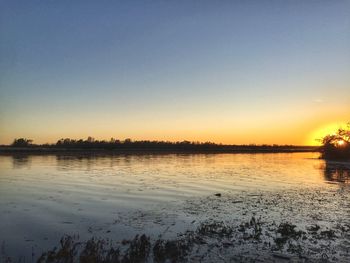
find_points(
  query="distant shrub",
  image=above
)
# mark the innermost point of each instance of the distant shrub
(22, 142)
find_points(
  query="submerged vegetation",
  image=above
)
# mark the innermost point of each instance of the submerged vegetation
(337, 146)
(212, 240)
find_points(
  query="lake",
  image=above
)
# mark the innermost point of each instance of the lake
(43, 197)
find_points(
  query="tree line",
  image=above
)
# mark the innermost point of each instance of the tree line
(115, 144)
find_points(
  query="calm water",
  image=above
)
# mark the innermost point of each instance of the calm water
(43, 197)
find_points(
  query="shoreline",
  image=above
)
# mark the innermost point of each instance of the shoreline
(4, 150)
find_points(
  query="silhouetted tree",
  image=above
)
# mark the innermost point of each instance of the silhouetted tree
(337, 146)
(22, 142)
(90, 139)
(127, 141)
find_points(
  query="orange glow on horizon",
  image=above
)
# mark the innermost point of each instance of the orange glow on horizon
(316, 136)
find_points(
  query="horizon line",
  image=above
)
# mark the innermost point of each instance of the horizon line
(129, 140)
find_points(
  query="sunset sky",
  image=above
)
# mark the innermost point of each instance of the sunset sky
(224, 71)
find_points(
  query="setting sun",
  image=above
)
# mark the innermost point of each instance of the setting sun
(316, 136)
(340, 143)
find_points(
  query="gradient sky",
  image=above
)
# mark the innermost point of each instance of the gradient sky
(223, 71)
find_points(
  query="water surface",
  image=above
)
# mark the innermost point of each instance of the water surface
(43, 197)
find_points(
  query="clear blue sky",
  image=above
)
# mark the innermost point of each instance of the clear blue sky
(225, 71)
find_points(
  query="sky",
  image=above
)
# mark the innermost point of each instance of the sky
(235, 72)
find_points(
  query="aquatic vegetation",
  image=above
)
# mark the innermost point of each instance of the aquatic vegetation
(257, 230)
(94, 251)
(138, 250)
(251, 229)
(328, 234)
(211, 229)
(210, 238)
(288, 230)
(171, 250)
(98, 251)
(285, 232)
(65, 253)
